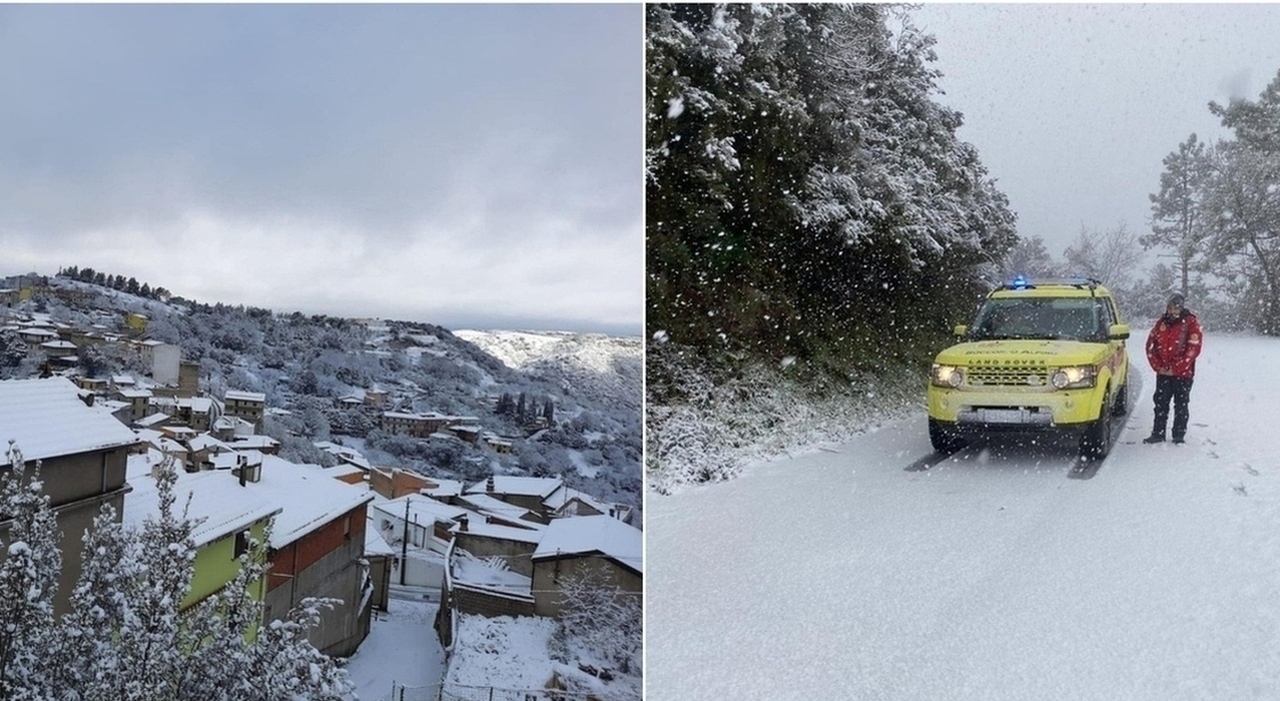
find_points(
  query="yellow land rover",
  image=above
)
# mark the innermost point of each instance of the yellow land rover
(1042, 355)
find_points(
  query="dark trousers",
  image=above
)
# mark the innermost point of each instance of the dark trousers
(1179, 390)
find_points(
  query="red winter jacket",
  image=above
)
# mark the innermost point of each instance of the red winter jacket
(1172, 346)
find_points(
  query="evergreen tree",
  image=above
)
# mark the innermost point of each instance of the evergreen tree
(131, 286)
(150, 640)
(1241, 205)
(125, 637)
(1177, 221)
(1030, 258)
(805, 194)
(28, 578)
(83, 656)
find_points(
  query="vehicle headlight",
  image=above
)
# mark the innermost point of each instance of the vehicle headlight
(1074, 377)
(947, 375)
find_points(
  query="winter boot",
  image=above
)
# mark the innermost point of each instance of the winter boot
(1179, 440)
(1154, 438)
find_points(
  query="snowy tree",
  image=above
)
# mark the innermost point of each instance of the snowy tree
(282, 664)
(806, 195)
(83, 655)
(150, 639)
(601, 623)
(28, 578)
(126, 636)
(1028, 257)
(1110, 256)
(1242, 204)
(1177, 221)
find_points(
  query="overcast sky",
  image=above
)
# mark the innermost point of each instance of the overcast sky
(473, 166)
(1073, 107)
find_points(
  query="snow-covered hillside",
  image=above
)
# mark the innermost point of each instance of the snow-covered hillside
(324, 373)
(598, 367)
(852, 573)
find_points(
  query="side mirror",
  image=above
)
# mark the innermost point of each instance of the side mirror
(961, 329)
(1118, 332)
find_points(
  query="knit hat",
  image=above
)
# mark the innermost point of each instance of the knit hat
(1178, 299)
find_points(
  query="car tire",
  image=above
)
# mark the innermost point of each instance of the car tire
(1096, 441)
(1121, 406)
(944, 440)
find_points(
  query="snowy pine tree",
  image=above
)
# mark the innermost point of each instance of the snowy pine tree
(83, 655)
(126, 637)
(149, 641)
(28, 579)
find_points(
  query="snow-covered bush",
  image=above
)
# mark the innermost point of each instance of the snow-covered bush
(704, 429)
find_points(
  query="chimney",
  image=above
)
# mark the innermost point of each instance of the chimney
(462, 523)
(243, 468)
(488, 485)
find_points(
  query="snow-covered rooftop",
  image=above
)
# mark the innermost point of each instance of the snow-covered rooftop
(309, 497)
(523, 486)
(563, 495)
(253, 443)
(490, 572)
(47, 418)
(374, 543)
(479, 527)
(444, 488)
(422, 510)
(218, 502)
(590, 534)
(153, 419)
(245, 396)
(486, 503)
(204, 441)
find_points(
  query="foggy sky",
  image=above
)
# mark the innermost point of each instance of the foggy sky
(1073, 107)
(474, 166)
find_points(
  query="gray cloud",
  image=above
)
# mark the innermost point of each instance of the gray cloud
(331, 138)
(1073, 107)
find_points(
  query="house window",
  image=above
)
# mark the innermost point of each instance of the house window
(242, 543)
(346, 528)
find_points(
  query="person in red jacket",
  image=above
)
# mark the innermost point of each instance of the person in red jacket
(1172, 348)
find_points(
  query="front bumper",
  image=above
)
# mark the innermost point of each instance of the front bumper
(1018, 410)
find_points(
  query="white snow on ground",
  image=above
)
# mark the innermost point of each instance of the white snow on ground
(504, 652)
(402, 647)
(991, 575)
(582, 465)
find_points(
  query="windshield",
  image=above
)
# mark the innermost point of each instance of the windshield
(1074, 319)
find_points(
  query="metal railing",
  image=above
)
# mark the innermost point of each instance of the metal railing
(459, 692)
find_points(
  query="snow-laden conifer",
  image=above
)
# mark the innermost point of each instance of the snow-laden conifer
(28, 579)
(83, 656)
(148, 642)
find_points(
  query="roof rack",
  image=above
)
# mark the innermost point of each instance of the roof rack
(1023, 283)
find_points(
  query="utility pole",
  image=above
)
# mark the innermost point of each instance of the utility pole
(404, 542)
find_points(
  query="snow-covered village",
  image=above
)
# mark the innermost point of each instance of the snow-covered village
(321, 352)
(438, 583)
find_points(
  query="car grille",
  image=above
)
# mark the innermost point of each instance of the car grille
(1008, 376)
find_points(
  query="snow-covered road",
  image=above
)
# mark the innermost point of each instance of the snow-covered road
(991, 575)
